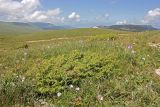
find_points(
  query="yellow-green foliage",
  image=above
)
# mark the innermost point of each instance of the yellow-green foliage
(103, 37)
(58, 72)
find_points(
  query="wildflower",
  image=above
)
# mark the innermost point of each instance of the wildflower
(100, 98)
(25, 54)
(133, 52)
(77, 89)
(157, 71)
(12, 83)
(23, 78)
(143, 58)
(59, 94)
(71, 86)
(130, 46)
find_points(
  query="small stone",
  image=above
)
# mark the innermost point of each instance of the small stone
(99, 98)
(157, 71)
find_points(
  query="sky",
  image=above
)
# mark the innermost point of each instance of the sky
(82, 13)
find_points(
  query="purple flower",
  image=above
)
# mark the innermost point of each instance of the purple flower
(130, 46)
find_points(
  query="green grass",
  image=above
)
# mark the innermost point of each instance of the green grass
(97, 61)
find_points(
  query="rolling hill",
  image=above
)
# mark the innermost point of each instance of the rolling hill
(15, 28)
(130, 27)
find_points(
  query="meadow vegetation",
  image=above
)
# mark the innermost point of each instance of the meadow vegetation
(81, 67)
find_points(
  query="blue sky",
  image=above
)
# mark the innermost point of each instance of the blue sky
(83, 13)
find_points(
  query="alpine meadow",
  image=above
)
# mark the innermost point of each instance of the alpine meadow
(96, 56)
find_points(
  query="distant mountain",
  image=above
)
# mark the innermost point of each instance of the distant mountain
(129, 27)
(29, 27)
(46, 26)
(16, 28)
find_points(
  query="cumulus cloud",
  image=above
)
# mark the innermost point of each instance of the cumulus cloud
(74, 17)
(27, 10)
(121, 22)
(46, 16)
(18, 8)
(152, 17)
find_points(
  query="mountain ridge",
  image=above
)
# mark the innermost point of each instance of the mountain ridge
(27, 27)
(129, 27)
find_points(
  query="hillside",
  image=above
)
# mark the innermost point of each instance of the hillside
(130, 27)
(15, 28)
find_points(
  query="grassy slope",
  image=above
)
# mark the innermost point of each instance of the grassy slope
(12, 29)
(46, 35)
(133, 84)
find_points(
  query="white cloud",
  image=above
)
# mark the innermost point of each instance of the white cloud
(121, 22)
(46, 16)
(155, 12)
(27, 10)
(54, 12)
(152, 17)
(74, 16)
(103, 17)
(18, 7)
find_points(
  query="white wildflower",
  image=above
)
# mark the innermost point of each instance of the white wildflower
(143, 58)
(77, 89)
(59, 94)
(25, 53)
(133, 52)
(23, 78)
(134, 43)
(71, 86)
(12, 83)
